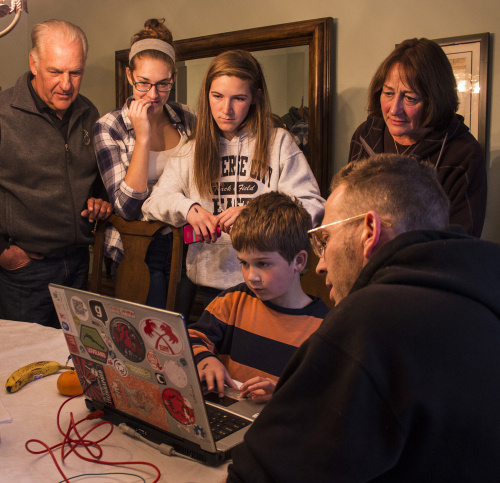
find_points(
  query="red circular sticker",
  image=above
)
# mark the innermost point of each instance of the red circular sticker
(127, 340)
(178, 407)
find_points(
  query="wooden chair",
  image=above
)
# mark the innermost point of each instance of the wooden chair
(132, 275)
(314, 284)
(97, 283)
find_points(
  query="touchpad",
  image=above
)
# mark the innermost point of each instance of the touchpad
(225, 401)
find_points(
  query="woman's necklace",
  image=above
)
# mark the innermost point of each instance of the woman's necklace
(404, 152)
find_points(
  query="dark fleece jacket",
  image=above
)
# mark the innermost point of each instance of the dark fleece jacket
(400, 382)
(458, 157)
(45, 182)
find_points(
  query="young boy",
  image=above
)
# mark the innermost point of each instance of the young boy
(256, 326)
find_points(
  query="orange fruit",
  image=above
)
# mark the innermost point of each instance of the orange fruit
(68, 384)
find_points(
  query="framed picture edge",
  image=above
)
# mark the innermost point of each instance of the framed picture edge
(484, 45)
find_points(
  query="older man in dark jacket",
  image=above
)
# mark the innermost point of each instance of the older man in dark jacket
(50, 189)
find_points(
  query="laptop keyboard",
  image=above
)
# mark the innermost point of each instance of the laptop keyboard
(223, 423)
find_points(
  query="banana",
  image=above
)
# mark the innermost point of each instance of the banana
(31, 372)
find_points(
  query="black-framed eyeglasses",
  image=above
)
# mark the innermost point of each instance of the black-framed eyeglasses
(162, 86)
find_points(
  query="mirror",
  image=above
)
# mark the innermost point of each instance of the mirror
(313, 37)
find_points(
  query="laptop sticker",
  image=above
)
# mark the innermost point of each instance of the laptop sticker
(153, 360)
(139, 371)
(98, 311)
(161, 336)
(122, 311)
(106, 340)
(120, 367)
(127, 339)
(72, 344)
(93, 343)
(139, 398)
(175, 373)
(199, 431)
(178, 407)
(63, 311)
(160, 378)
(93, 380)
(79, 308)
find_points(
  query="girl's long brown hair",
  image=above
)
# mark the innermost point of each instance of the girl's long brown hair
(241, 64)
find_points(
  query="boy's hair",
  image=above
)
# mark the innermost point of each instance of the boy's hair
(272, 222)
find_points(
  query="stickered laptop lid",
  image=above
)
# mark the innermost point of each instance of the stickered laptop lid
(136, 364)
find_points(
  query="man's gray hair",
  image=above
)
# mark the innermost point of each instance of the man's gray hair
(400, 189)
(60, 29)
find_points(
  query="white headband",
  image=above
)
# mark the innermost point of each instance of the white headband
(152, 44)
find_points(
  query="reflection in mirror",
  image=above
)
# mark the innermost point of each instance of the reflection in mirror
(287, 76)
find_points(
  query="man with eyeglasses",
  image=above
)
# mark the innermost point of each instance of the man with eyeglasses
(51, 193)
(401, 381)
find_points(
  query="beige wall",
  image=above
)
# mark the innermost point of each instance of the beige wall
(366, 31)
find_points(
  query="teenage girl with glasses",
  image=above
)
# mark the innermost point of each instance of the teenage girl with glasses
(134, 144)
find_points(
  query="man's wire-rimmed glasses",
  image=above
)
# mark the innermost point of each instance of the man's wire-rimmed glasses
(161, 86)
(317, 236)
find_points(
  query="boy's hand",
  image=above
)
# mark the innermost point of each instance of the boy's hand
(213, 371)
(203, 222)
(259, 389)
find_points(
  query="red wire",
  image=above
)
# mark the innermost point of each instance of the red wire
(73, 443)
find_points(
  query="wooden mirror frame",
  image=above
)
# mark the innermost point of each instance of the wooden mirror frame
(317, 34)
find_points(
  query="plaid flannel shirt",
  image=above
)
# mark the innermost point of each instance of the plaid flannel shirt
(114, 141)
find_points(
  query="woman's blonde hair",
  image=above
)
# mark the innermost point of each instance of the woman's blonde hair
(241, 64)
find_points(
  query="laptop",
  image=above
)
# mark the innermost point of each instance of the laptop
(135, 363)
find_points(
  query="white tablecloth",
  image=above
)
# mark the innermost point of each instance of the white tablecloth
(33, 410)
